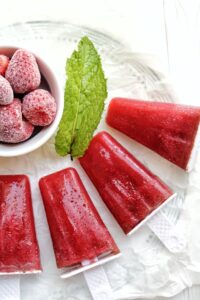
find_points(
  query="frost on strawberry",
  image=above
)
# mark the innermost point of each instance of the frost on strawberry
(39, 107)
(12, 128)
(10, 116)
(23, 72)
(17, 135)
(6, 92)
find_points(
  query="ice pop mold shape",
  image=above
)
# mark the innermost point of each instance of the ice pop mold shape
(19, 251)
(171, 130)
(130, 191)
(78, 233)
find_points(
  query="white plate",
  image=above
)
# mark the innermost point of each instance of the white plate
(146, 267)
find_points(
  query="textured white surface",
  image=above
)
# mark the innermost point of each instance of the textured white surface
(10, 288)
(98, 284)
(156, 220)
(96, 264)
(168, 235)
(140, 24)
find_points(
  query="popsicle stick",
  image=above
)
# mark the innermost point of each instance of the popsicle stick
(165, 231)
(80, 269)
(163, 228)
(95, 277)
(10, 288)
(150, 216)
(98, 283)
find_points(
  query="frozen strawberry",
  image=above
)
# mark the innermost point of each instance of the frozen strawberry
(23, 72)
(4, 60)
(12, 128)
(17, 135)
(10, 116)
(6, 92)
(39, 107)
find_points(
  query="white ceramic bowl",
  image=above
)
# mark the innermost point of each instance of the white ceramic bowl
(10, 150)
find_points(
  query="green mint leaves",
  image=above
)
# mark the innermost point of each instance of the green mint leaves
(85, 93)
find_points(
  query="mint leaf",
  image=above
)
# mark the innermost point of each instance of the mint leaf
(85, 93)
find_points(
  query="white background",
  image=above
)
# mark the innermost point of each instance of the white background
(167, 29)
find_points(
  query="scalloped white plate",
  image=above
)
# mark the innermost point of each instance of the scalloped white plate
(146, 268)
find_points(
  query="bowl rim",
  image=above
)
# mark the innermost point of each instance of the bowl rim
(53, 126)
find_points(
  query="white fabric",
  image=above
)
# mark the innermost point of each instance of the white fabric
(10, 287)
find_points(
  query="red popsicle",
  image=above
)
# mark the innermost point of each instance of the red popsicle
(77, 231)
(19, 251)
(166, 128)
(128, 188)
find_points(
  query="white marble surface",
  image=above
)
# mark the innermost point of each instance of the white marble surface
(141, 25)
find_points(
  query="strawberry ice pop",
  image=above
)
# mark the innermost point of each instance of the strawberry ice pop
(77, 231)
(166, 128)
(128, 188)
(19, 251)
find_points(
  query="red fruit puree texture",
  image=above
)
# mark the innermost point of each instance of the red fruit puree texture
(19, 250)
(128, 188)
(166, 128)
(77, 231)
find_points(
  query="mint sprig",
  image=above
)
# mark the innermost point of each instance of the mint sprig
(85, 93)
